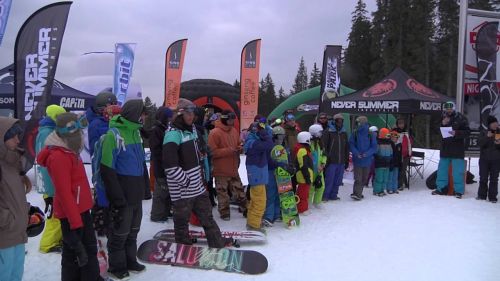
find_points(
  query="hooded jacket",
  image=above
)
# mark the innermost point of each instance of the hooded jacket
(336, 144)
(385, 152)
(122, 163)
(454, 147)
(362, 143)
(72, 189)
(98, 126)
(181, 159)
(489, 149)
(304, 163)
(13, 204)
(45, 128)
(223, 142)
(156, 142)
(258, 149)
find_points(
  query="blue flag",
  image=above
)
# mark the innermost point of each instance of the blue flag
(4, 15)
(124, 61)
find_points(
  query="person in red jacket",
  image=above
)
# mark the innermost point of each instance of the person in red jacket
(73, 199)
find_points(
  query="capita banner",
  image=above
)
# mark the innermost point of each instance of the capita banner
(330, 77)
(174, 63)
(4, 16)
(249, 77)
(36, 53)
(124, 62)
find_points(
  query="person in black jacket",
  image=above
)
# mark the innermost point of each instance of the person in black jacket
(452, 151)
(489, 161)
(160, 209)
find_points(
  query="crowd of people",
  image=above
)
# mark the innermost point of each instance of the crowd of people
(189, 149)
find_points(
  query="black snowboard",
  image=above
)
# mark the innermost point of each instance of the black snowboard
(229, 260)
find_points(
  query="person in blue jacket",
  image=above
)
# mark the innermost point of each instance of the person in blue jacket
(98, 125)
(363, 146)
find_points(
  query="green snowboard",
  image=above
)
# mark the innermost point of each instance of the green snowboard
(288, 202)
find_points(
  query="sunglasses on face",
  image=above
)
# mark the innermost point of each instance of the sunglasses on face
(230, 115)
(73, 126)
(189, 109)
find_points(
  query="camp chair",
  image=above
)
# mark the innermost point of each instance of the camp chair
(416, 166)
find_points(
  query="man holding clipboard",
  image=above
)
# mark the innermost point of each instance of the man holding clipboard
(454, 131)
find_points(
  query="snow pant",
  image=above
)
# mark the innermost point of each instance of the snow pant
(122, 240)
(161, 205)
(371, 174)
(333, 179)
(273, 209)
(12, 263)
(232, 184)
(200, 205)
(381, 180)
(69, 267)
(303, 193)
(488, 170)
(393, 180)
(458, 167)
(256, 206)
(360, 179)
(102, 221)
(315, 193)
(403, 172)
(51, 236)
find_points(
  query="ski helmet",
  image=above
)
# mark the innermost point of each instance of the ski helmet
(449, 105)
(373, 129)
(36, 222)
(316, 130)
(304, 138)
(338, 116)
(384, 132)
(104, 99)
(278, 130)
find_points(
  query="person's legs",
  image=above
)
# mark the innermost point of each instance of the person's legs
(256, 206)
(378, 184)
(403, 177)
(493, 188)
(315, 193)
(238, 192)
(89, 272)
(442, 174)
(303, 193)
(329, 181)
(458, 175)
(222, 185)
(337, 180)
(117, 239)
(12, 263)
(160, 208)
(271, 194)
(359, 181)
(484, 173)
(203, 209)
(131, 242)
(182, 212)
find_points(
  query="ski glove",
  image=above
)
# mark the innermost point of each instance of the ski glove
(162, 183)
(74, 240)
(318, 183)
(49, 201)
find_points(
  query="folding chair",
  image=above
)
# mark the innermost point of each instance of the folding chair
(416, 166)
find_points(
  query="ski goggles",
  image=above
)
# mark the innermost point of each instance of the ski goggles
(230, 115)
(188, 109)
(448, 105)
(15, 130)
(256, 126)
(73, 126)
(290, 117)
(394, 134)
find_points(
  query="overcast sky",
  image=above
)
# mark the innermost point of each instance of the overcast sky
(217, 31)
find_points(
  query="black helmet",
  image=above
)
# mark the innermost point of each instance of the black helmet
(104, 99)
(36, 222)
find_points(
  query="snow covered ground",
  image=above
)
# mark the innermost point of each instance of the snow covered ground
(410, 236)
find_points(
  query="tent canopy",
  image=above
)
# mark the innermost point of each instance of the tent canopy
(395, 93)
(63, 95)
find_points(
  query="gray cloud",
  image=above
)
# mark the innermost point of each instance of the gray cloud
(217, 30)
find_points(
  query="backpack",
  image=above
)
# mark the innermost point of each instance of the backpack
(101, 198)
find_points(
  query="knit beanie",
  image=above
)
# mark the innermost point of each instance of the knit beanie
(53, 110)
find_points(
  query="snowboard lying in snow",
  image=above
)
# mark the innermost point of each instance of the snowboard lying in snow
(199, 236)
(225, 259)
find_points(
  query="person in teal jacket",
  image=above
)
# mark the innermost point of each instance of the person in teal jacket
(51, 240)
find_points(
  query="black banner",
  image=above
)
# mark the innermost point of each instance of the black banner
(486, 52)
(330, 76)
(36, 53)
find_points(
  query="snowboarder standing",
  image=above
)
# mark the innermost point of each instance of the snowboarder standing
(319, 161)
(383, 162)
(305, 174)
(13, 202)
(406, 141)
(184, 178)
(73, 199)
(124, 175)
(489, 161)
(452, 151)
(337, 151)
(257, 147)
(394, 171)
(225, 147)
(363, 146)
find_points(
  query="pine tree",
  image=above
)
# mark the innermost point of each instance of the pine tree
(356, 69)
(300, 83)
(267, 96)
(237, 84)
(486, 5)
(378, 41)
(281, 95)
(315, 79)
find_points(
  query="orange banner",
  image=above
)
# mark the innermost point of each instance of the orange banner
(249, 77)
(174, 61)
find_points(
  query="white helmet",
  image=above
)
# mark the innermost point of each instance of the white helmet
(304, 138)
(373, 129)
(316, 130)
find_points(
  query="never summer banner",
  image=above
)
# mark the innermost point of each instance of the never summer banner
(124, 62)
(174, 63)
(330, 79)
(249, 77)
(36, 53)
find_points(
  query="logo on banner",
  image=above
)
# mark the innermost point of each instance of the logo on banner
(473, 36)
(307, 107)
(378, 105)
(174, 61)
(343, 104)
(250, 55)
(431, 106)
(380, 89)
(421, 89)
(332, 79)
(67, 102)
(36, 70)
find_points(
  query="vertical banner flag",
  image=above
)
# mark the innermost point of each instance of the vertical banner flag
(174, 62)
(249, 80)
(36, 53)
(4, 15)
(330, 77)
(124, 62)
(486, 51)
